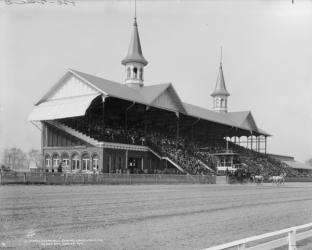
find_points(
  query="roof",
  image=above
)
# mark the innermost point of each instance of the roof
(220, 88)
(207, 114)
(62, 108)
(298, 165)
(144, 95)
(161, 96)
(135, 51)
(243, 120)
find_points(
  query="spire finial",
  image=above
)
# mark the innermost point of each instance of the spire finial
(221, 56)
(134, 10)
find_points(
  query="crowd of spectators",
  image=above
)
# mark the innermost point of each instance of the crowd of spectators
(189, 156)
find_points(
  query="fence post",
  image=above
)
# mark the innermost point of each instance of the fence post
(292, 240)
(241, 246)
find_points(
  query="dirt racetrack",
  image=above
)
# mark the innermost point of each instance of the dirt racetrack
(146, 216)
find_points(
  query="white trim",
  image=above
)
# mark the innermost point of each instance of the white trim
(86, 81)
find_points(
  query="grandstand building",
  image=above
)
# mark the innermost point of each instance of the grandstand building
(90, 124)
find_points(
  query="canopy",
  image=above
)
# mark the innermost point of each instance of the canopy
(62, 108)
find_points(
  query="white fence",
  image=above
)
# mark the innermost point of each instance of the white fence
(286, 237)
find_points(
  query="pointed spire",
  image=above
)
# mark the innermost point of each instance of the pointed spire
(135, 51)
(220, 88)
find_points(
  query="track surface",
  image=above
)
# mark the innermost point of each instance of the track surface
(147, 216)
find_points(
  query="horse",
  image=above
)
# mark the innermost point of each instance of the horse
(258, 179)
(278, 179)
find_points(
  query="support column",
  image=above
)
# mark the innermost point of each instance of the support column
(178, 129)
(247, 139)
(126, 167)
(103, 116)
(145, 120)
(192, 131)
(43, 144)
(126, 115)
(256, 141)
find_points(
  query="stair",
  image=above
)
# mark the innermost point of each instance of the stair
(204, 165)
(174, 164)
(74, 132)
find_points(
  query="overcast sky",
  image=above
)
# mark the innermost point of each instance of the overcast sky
(267, 58)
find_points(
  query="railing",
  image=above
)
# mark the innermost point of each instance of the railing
(287, 237)
(106, 178)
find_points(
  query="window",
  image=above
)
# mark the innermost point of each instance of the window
(222, 103)
(141, 74)
(86, 163)
(75, 162)
(95, 162)
(48, 161)
(135, 72)
(65, 161)
(55, 160)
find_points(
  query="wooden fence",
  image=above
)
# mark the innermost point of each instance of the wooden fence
(69, 178)
(286, 237)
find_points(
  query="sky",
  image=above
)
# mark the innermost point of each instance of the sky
(267, 58)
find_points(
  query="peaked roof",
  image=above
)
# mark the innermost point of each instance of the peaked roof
(135, 51)
(145, 94)
(150, 96)
(238, 117)
(220, 88)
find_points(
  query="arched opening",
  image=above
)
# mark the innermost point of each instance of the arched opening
(75, 162)
(217, 102)
(47, 160)
(86, 162)
(135, 72)
(55, 162)
(65, 162)
(95, 163)
(222, 102)
(141, 74)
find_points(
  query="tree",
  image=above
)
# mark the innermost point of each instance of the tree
(15, 159)
(34, 158)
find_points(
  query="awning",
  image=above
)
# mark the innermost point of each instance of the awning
(61, 108)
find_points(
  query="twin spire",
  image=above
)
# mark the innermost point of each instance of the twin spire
(135, 62)
(135, 50)
(220, 94)
(220, 88)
